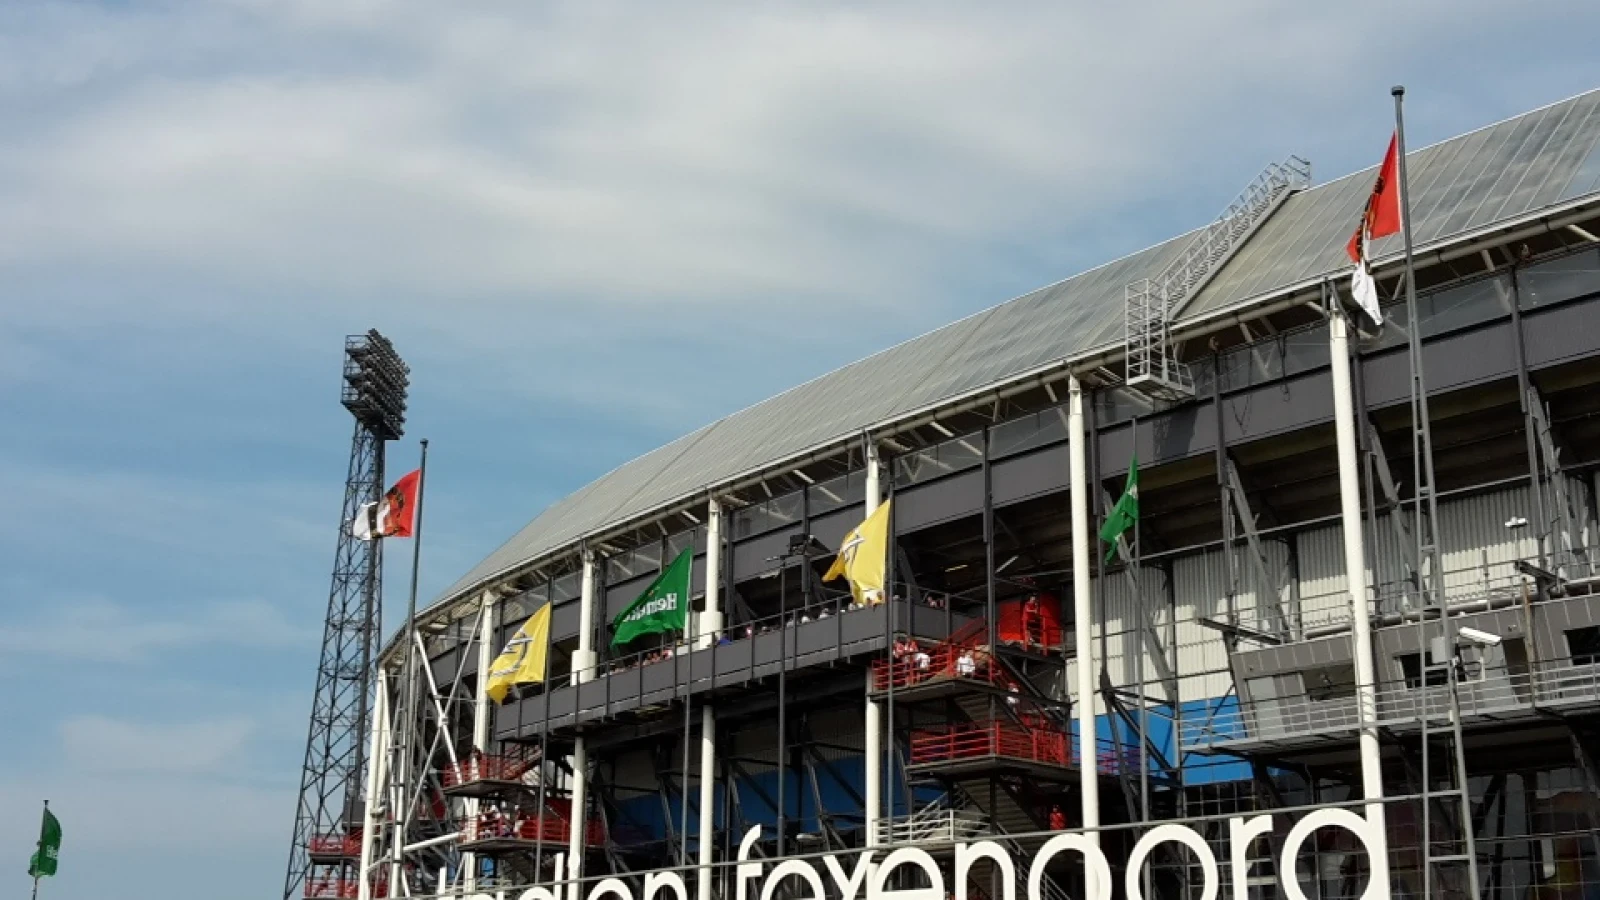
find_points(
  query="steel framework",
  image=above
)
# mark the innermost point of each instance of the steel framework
(324, 849)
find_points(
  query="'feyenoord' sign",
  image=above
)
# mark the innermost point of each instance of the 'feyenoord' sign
(759, 880)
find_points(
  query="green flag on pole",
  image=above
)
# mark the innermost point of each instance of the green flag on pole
(664, 605)
(44, 859)
(1125, 514)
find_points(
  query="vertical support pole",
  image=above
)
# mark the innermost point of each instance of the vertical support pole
(582, 671)
(480, 720)
(377, 775)
(711, 617)
(872, 752)
(1083, 613)
(710, 626)
(1355, 564)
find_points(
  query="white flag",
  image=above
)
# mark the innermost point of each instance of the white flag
(365, 527)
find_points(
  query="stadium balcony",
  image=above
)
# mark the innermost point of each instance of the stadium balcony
(642, 684)
(332, 849)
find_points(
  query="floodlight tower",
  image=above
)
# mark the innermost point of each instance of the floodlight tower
(324, 853)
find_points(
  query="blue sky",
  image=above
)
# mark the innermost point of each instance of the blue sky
(590, 228)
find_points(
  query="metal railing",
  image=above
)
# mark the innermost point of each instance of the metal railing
(933, 826)
(346, 846)
(1491, 692)
(1151, 303)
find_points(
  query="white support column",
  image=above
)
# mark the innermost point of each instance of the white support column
(480, 721)
(583, 657)
(1355, 565)
(1083, 612)
(710, 626)
(377, 776)
(711, 618)
(582, 670)
(873, 745)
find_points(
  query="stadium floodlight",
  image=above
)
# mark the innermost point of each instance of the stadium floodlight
(1481, 638)
(375, 382)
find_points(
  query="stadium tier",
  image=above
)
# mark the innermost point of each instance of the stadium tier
(1057, 600)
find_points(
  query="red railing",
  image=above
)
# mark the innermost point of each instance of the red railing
(958, 742)
(341, 888)
(548, 828)
(485, 768)
(348, 845)
(1040, 744)
(939, 661)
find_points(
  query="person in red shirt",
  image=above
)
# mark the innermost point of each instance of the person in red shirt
(1032, 626)
(1058, 819)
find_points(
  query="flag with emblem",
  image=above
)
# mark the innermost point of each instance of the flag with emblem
(863, 557)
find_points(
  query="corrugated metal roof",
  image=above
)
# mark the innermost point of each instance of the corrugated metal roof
(1494, 174)
(1507, 170)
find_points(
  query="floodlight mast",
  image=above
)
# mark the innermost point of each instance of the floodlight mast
(329, 811)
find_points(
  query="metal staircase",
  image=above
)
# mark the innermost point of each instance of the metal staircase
(1152, 303)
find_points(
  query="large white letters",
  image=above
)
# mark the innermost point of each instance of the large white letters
(850, 887)
(611, 887)
(907, 856)
(538, 893)
(1178, 834)
(746, 870)
(1242, 833)
(798, 868)
(1096, 869)
(655, 881)
(1377, 888)
(967, 854)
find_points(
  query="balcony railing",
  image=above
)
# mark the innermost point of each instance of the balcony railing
(932, 826)
(1491, 693)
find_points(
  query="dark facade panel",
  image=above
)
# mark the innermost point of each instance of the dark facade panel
(1451, 362)
(1563, 333)
(1288, 405)
(938, 501)
(752, 556)
(1023, 477)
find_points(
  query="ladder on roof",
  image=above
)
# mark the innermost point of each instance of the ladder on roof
(1152, 303)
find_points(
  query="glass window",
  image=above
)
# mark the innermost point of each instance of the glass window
(1463, 305)
(677, 543)
(827, 496)
(955, 455)
(1029, 432)
(1305, 350)
(1561, 279)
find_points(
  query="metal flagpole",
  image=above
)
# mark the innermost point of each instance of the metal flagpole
(1428, 535)
(408, 729)
(36, 875)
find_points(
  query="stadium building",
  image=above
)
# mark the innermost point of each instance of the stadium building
(1018, 711)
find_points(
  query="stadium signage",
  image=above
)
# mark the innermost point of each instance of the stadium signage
(668, 603)
(760, 879)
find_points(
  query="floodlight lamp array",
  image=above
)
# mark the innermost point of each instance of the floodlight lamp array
(375, 382)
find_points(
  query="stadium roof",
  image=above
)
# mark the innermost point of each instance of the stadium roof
(1537, 162)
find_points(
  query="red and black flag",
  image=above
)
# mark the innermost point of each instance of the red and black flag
(1380, 218)
(393, 516)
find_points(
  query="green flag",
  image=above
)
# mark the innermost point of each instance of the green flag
(1125, 514)
(44, 859)
(664, 605)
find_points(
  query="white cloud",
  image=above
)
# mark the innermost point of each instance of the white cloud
(106, 746)
(97, 630)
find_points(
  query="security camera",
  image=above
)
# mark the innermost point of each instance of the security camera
(1482, 638)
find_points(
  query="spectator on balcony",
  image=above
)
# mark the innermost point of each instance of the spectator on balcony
(1032, 624)
(966, 666)
(1058, 819)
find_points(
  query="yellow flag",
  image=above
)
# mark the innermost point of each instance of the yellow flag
(862, 557)
(522, 662)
